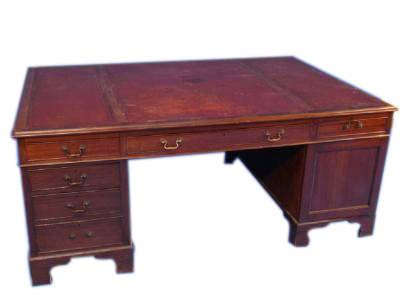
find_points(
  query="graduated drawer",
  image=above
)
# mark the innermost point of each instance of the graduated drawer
(71, 148)
(77, 205)
(218, 140)
(72, 236)
(50, 180)
(353, 126)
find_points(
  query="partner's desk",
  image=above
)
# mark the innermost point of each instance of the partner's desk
(317, 144)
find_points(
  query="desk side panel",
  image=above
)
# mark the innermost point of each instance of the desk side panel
(342, 179)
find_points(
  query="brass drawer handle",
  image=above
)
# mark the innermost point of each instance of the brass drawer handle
(82, 150)
(358, 124)
(85, 205)
(72, 236)
(68, 179)
(275, 138)
(166, 147)
(89, 234)
(353, 124)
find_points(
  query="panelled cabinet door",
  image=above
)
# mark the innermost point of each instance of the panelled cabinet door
(342, 179)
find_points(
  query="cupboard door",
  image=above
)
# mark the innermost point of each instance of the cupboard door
(342, 179)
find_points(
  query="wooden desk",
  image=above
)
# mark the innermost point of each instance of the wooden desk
(315, 143)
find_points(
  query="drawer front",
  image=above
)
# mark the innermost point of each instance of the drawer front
(74, 178)
(73, 236)
(77, 205)
(218, 140)
(353, 126)
(71, 150)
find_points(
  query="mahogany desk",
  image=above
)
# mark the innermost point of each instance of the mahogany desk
(315, 143)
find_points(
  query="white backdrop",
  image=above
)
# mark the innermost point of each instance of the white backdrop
(202, 229)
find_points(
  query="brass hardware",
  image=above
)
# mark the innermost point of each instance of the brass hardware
(347, 125)
(72, 236)
(166, 147)
(358, 124)
(275, 138)
(353, 124)
(82, 150)
(89, 234)
(85, 205)
(68, 179)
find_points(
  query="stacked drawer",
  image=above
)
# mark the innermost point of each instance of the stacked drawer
(76, 207)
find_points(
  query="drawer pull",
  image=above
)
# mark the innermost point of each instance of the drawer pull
(68, 179)
(358, 124)
(82, 150)
(85, 205)
(89, 234)
(72, 236)
(275, 138)
(354, 124)
(166, 147)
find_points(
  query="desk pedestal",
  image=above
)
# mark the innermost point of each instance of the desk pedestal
(77, 210)
(318, 184)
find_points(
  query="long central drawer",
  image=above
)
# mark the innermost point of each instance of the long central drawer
(218, 140)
